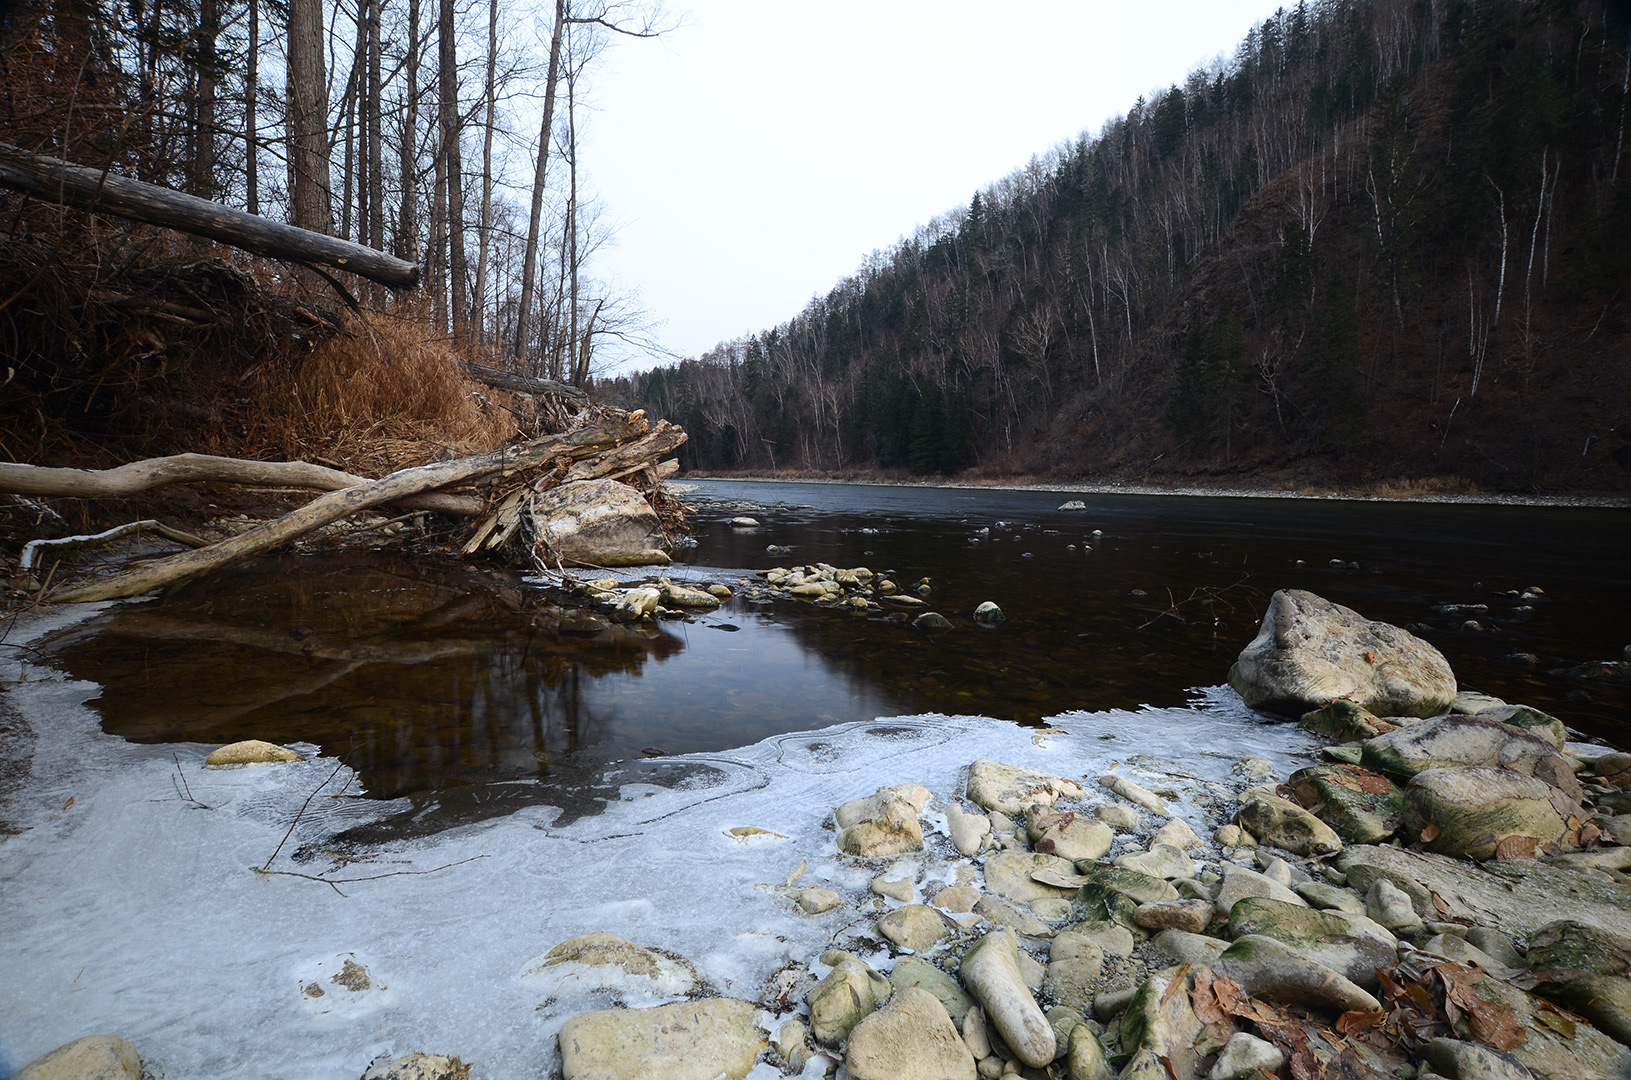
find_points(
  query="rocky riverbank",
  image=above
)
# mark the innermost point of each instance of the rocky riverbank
(1447, 893)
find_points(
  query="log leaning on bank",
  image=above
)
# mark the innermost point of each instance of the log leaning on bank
(520, 384)
(185, 566)
(83, 188)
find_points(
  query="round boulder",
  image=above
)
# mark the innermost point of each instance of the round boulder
(1309, 652)
(1479, 812)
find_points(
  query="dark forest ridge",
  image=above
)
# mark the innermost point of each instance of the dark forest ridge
(1386, 241)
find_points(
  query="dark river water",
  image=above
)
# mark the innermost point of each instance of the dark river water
(460, 689)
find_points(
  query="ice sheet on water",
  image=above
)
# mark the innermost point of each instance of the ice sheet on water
(133, 910)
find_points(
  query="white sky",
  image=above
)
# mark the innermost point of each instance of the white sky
(757, 154)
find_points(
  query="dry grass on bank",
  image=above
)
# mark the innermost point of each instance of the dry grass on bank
(384, 394)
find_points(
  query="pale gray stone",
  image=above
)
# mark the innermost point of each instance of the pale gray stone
(95, 1057)
(1010, 789)
(902, 889)
(1161, 861)
(1135, 794)
(1183, 947)
(1239, 882)
(968, 831)
(1245, 1053)
(692, 1040)
(917, 927)
(1118, 816)
(915, 971)
(911, 1038)
(1387, 905)
(1177, 833)
(814, 901)
(991, 972)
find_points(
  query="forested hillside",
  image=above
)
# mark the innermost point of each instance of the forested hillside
(1388, 239)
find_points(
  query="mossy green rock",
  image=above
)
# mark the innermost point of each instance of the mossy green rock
(850, 992)
(1102, 903)
(1579, 1051)
(1354, 947)
(1143, 888)
(1163, 1023)
(1283, 824)
(1566, 950)
(1361, 806)
(1344, 721)
(1450, 741)
(1476, 812)
(1605, 1000)
(912, 971)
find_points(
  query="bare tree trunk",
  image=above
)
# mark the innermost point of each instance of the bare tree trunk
(436, 259)
(529, 260)
(251, 99)
(484, 226)
(203, 155)
(572, 212)
(407, 233)
(308, 118)
(376, 156)
(448, 75)
(581, 375)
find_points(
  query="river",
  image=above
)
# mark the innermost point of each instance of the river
(463, 692)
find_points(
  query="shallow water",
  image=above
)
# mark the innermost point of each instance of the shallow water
(459, 690)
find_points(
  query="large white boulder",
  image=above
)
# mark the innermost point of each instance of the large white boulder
(1310, 652)
(597, 523)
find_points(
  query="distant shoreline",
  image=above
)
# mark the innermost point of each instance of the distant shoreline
(1588, 501)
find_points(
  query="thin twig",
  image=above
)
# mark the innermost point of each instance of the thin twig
(189, 796)
(335, 883)
(340, 765)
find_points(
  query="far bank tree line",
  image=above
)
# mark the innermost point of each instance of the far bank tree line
(443, 131)
(1384, 238)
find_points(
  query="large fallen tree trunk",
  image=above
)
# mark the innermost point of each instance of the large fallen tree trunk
(93, 189)
(520, 384)
(139, 476)
(174, 569)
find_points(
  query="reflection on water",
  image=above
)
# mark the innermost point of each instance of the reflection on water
(474, 692)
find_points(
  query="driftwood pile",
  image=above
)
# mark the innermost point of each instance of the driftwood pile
(493, 489)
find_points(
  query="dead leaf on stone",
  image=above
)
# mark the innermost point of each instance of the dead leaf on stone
(1493, 1024)
(1356, 1021)
(1590, 833)
(1430, 832)
(69, 803)
(1516, 847)
(1554, 1018)
(1354, 778)
(1370, 657)
(1439, 903)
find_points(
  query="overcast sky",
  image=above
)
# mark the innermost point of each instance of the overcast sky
(757, 154)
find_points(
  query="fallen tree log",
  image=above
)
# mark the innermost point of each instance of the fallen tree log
(83, 188)
(520, 384)
(139, 476)
(174, 569)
